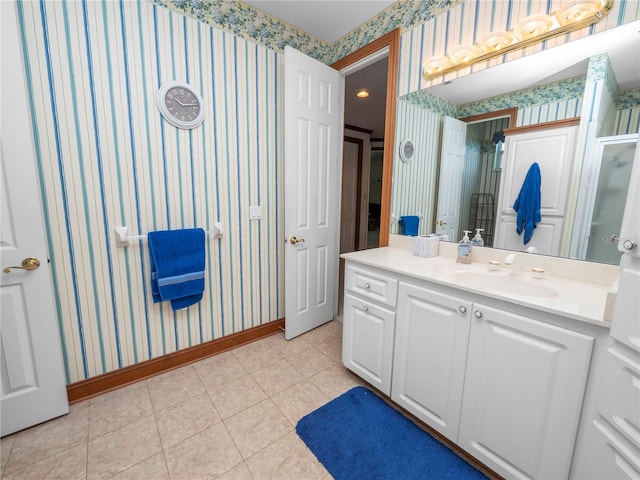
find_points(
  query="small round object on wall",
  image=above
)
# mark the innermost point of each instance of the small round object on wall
(180, 105)
(406, 150)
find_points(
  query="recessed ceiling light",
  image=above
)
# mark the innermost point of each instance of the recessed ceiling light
(363, 93)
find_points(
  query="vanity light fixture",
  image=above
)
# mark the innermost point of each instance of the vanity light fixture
(533, 26)
(436, 65)
(362, 93)
(572, 16)
(464, 53)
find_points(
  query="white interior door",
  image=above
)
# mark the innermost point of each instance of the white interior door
(553, 150)
(33, 386)
(454, 136)
(313, 108)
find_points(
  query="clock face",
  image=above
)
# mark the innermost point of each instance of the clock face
(180, 105)
(406, 150)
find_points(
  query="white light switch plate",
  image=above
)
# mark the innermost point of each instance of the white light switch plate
(255, 212)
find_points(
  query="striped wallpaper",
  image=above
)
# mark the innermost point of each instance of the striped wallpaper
(414, 182)
(106, 158)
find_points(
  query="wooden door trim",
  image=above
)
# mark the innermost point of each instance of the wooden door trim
(512, 113)
(567, 122)
(392, 41)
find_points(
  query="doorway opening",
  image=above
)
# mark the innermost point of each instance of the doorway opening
(370, 228)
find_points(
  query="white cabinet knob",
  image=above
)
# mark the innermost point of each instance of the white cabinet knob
(366, 285)
(628, 245)
(462, 309)
(365, 308)
(477, 314)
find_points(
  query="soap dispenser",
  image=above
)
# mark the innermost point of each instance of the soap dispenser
(464, 248)
(477, 241)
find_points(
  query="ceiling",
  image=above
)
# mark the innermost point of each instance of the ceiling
(327, 20)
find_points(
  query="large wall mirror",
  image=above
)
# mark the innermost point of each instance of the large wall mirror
(546, 87)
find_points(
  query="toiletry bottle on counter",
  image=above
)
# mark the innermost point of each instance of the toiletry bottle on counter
(464, 248)
(477, 241)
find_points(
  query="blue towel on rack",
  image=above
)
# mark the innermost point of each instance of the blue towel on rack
(409, 225)
(527, 205)
(177, 266)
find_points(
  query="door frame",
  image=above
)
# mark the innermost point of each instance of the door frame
(390, 42)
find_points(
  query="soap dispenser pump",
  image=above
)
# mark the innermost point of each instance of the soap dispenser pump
(464, 248)
(478, 241)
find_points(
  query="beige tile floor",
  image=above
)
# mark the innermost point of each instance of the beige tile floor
(230, 416)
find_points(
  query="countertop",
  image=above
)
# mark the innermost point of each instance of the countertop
(580, 300)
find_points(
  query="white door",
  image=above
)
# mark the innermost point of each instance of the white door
(313, 109)
(33, 384)
(553, 150)
(454, 136)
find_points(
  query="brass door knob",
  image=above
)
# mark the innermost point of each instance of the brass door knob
(294, 240)
(441, 223)
(28, 263)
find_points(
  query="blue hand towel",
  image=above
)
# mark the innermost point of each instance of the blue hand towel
(527, 205)
(409, 225)
(177, 266)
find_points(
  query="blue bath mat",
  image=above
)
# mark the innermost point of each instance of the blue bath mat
(359, 436)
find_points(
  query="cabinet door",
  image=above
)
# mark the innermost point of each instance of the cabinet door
(523, 392)
(367, 347)
(432, 332)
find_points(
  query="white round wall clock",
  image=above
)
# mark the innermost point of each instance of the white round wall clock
(406, 150)
(180, 105)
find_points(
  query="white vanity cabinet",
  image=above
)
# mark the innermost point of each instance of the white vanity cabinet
(503, 381)
(369, 324)
(523, 393)
(432, 333)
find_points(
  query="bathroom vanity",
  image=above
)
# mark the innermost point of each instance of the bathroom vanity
(497, 363)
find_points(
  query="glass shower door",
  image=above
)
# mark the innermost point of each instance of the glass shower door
(608, 207)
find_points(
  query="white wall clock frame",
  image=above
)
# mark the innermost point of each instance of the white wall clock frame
(180, 105)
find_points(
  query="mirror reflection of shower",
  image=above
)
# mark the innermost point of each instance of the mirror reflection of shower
(481, 177)
(607, 201)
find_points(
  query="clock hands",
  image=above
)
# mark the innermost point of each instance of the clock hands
(185, 104)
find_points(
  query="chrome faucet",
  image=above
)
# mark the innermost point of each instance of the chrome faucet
(512, 260)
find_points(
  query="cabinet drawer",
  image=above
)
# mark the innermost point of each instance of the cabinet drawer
(619, 460)
(619, 400)
(372, 284)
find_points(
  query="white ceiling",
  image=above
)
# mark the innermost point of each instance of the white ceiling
(326, 19)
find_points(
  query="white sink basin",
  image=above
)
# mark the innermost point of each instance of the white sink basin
(501, 283)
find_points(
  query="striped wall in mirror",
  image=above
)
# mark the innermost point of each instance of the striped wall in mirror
(469, 21)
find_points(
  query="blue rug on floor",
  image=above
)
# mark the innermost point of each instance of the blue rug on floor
(359, 436)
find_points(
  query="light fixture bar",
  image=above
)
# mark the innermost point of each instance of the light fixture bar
(552, 33)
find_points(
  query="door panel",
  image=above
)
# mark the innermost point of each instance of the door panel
(313, 113)
(33, 387)
(349, 197)
(454, 135)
